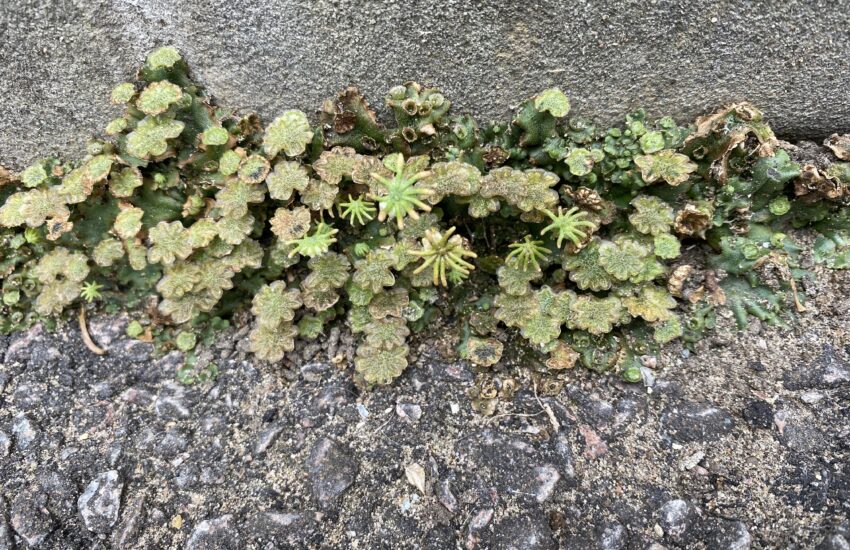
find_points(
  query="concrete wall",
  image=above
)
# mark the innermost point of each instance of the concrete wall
(59, 58)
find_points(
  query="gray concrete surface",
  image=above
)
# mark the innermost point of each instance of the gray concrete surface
(59, 58)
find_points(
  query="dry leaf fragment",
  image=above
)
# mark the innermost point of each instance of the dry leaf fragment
(416, 476)
(840, 146)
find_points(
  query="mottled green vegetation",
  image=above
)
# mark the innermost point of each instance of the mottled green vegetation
(597, 246)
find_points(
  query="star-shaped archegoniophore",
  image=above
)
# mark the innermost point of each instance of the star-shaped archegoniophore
(527, 254)
(444, 253)
(357, 210)
(571, 225)
(91, 291)
(316, 243)
(399, 197)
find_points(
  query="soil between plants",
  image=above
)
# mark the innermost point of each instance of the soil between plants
(742, 443)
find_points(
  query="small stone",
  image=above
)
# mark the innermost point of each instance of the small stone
(172, 406)
(5, 531)
(566, 462)
(266, 439)
(104, 330)
(445, 496)
(827, 371)
(331, 469)
(729, 535)
(676, 517)
(546, 477)
(125, 534)
(314, 372)
(834, 541)
(595, 446)
(695, 422)
(173, 442)
(170, 362)
(408, 411)
(362, 411)
(648, 376)
(612, 536)
(5, 444)
(758, 414)
(136, 351)
(757, 366)
(137, 396)
(332, 397)
(523, 533)
(692, 461)
(811, 397)
(287, 529)
(595, 410)
(30, 517)
(25, 431)
(797, 432)
(625, 411)
(481, 519)
(28, 396)
(100, 502)
(218, 533)
(213, 425)
(408, 502)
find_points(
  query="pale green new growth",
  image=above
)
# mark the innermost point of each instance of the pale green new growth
(580, 161)
(128, 222)
(215, 135)
(275, 304)
(123, 93)
(107, 252)
(151, 135)
(61, 274)
(652, 215)
(667, 165)
(623, 259)
(450, 179)
(158, 97)
(596, 315)
(287, 176)
(381, 366)
(290, 133)
(554, 101)
(124, 183)
(334, 165)
(163, 58)
(168, 243)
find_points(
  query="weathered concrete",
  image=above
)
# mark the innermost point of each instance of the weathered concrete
(59, 58)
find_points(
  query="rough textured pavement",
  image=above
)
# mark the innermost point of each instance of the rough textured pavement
(60, 58)
(744, 443)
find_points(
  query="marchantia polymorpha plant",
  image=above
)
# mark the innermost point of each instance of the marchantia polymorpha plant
(570, 235)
